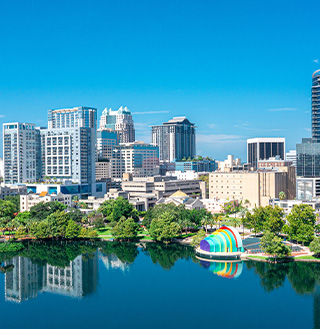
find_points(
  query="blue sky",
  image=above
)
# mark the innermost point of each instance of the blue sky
(237, 69)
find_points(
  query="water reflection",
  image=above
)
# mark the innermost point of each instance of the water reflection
(71, 269)
(228, 270)
(27, 279)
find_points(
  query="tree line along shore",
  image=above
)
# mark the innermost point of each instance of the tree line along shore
(119, 220)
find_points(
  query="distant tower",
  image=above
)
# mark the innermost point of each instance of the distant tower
(176, 139)
(21, 152)
(121, 121)
(315, 106)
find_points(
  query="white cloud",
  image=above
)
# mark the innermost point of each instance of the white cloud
(212, 125)
(283, 109)
(141, 126)
(150, 112)
(316, 61)
(246, 126)
(307, 112)
(307, 129)
(2, 116)
(219, 138)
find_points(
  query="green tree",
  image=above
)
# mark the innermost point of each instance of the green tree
(98, 223)
(205, 222)
(282, 195)
(315, 246)
(20, 232)
(15, 200)
(126, 229)
(23, 217)
(198, 238)
(58, 222)
(72, 230)
(113, 210)
(75, 214)
(41, 230)
(164, 228)
(83, 205)
(178, 213)
(273, 245)
(257, 219)
(273, 219)
(301, 223)
(7, 208)
(43, 209)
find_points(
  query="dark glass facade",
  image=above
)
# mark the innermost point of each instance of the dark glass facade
(315, 106)
(308, 158)
(260, 150)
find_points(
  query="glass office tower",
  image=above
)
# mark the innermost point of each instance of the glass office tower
(315, 106)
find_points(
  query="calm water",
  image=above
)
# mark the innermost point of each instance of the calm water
(153, 286)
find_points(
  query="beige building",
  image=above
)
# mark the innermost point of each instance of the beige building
(258, 187)
(102, 170)
(30, 200)
(163, 186)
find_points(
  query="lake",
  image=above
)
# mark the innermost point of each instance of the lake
(117, 285)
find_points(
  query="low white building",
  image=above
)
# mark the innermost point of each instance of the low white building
(32, 199)
(180, 198)
(287, 205)
(142, 202)
(189, 174)
(216, 205)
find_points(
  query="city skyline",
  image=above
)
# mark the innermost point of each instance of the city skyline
(232, 70)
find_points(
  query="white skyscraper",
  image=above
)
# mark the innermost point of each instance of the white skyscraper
(69, 144)
(20, 152)
(121, 121)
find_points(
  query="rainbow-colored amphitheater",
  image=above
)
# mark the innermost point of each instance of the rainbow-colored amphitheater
(225, 240)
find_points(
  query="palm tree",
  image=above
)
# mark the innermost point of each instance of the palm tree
(282, 195)
(205, 221)
(211, 221)
(220, 220)
(243, 212)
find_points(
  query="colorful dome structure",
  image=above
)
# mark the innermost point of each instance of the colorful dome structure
(230, 270)
(224, 243)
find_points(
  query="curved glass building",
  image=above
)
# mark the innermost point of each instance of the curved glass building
(315, 106)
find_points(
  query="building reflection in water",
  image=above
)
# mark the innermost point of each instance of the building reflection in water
(111, 261)
(225, 269)
(27, 279)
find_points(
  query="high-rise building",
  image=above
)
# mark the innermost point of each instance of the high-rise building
(139, 159)
(69, 144)
(308, 151)
(308, 158)
(315, 106)
(73, 118)
(121, 121)
(265, 148)
(1, 169)
(70, 154)
(176, 139)
(107, 139)
(20, 152)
